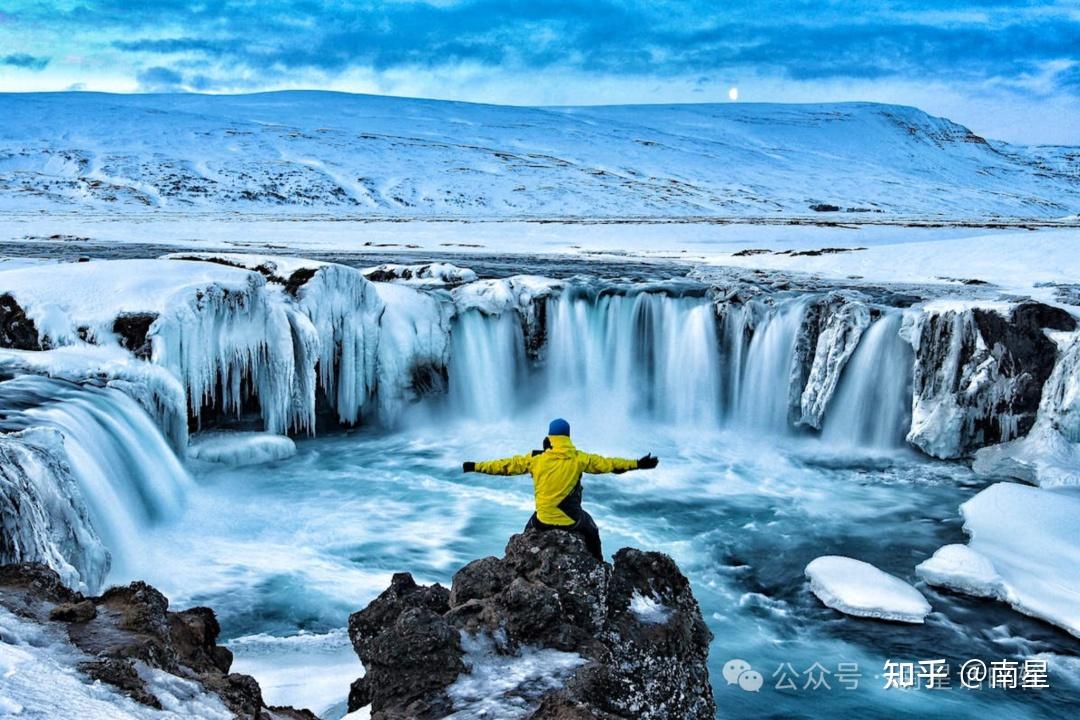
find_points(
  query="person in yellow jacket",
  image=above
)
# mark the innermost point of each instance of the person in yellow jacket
(556, 471)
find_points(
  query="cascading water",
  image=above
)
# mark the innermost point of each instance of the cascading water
(487, 365)
(128, 475)
(872, 405)
(647, 352)
(761, 399)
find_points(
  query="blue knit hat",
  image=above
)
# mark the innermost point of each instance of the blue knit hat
(559, 426)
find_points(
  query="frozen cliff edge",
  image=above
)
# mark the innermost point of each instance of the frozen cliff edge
(151, 662)
(546, 631)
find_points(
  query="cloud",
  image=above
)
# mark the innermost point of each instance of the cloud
(24, 61)
(971, 46)
(159, 79)
(973, 41)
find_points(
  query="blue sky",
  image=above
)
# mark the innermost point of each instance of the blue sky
(1009, 69)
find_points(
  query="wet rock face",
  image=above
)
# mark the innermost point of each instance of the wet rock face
(133, 624)
(979, 375)
(546, 592)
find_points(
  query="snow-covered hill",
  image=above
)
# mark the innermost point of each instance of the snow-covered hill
(365, 156)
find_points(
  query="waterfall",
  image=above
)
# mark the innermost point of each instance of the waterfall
(872, 405)
(762, 391)
(128, 475)
(645, 353)
(487, 364)
(670, 359)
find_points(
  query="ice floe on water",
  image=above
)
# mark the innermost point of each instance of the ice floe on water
(1024, 550)
(858, 588)
(241, 448)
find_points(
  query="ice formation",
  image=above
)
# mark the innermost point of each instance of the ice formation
(1049, 455)
(1023, 550)
(979, 372)
(414, 347)
(125, 472)
(830, 335)
(241, 448)
(42, 515)
(857, 588)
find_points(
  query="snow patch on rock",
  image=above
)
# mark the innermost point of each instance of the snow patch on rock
(857, 588)
(421, 274)
(497, 685)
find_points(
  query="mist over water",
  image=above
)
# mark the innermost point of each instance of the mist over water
(743, 501)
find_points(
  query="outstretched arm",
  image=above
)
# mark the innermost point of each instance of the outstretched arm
(597, 464)
(517, 465)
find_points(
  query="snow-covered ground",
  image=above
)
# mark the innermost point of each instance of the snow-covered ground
(396, 157)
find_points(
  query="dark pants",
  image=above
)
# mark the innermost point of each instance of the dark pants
(585, 528)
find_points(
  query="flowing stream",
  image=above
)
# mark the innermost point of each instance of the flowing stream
(743, 501)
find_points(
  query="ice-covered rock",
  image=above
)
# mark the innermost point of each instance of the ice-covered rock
(546, 630)
(831, 329)
(334, 315)
(857, 588)
(43, 518)
(414, 347)
(157, 390)
(241, 448)
(1049, 455)
(1024, 549)
(421, 274)
(128, 640)
(979, 373)
(214, 327)
(525, 295)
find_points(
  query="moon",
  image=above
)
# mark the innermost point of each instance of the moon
(733, 94)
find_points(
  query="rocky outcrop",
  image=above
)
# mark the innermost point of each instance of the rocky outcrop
(979, 374)
(128, 629)
(629, 637)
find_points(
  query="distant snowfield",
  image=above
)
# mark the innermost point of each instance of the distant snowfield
(1018, 260)
(319, 153)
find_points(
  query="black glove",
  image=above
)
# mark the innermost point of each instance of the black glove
(468, 466)
(648, 462)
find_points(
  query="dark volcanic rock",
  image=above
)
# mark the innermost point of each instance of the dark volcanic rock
(546, 592)
(133, 328)
(16, 330)
(133, 624)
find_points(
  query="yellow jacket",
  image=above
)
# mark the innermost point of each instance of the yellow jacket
(556, 473)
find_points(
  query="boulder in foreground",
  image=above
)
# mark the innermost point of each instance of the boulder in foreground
(544, 632)
(127, 638)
